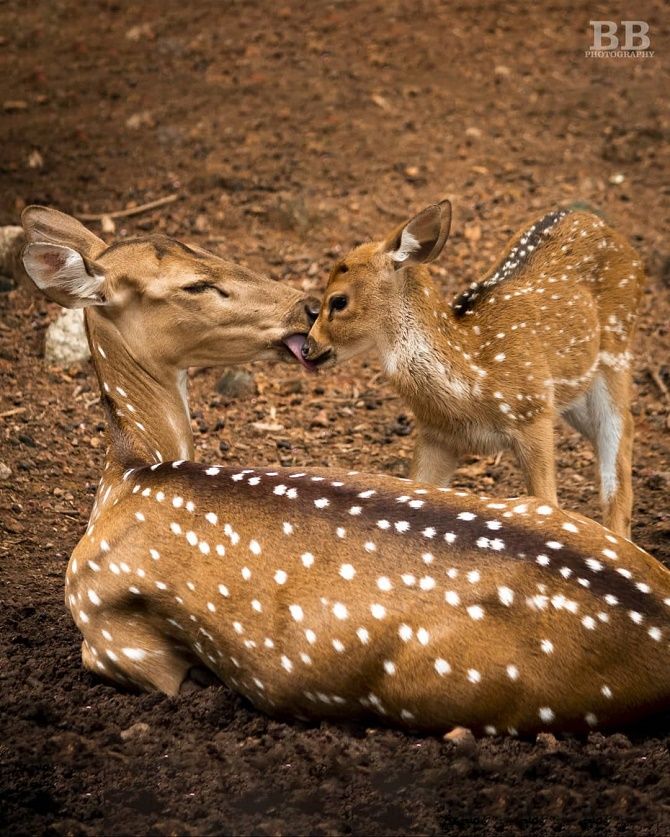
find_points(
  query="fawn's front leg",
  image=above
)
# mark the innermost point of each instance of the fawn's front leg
(434, 460)
(534, 449)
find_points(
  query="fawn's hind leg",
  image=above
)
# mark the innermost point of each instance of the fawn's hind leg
(602, 415)
(609, 405)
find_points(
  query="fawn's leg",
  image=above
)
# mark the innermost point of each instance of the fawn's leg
(534, 449)
(608, 403)
(434, 461)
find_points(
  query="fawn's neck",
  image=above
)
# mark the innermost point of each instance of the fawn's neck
(145, 401)
(423, 347)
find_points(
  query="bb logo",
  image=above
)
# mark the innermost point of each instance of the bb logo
(626, 39)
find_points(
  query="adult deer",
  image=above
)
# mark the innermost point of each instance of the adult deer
(547, 332)
(323, 593)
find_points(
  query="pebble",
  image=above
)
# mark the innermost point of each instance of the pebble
(462, 737)
(5, 471)
(320, 419)
(138, 730)
(236, 383)
(548, 741)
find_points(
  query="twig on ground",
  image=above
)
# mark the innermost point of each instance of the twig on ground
(401, 216)
(15, 412)
(126, 213)
(655, 376)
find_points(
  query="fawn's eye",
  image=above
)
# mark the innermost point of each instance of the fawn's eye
(338, 303)
(343, 268)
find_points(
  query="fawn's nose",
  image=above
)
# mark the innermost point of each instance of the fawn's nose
(313, 352)
(312, 308)
(307, 346)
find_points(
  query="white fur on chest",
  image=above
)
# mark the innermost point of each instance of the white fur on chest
(414, 364)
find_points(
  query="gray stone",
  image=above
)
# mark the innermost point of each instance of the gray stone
(66, 341)
(236, 383)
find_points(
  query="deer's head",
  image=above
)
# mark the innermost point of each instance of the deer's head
(361, 286)
(179, 303)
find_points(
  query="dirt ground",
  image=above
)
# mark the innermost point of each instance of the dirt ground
(289, 131)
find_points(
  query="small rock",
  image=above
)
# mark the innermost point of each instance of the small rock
(142, 30)
(501, 71)
(66, 341)
(35, 160)
(473, 133)
(13, 105)
(107, 224)
(12, 240)
(290, 212)
(5, 471)
(548, 741)
(462, 737)
(617, 179)
(236, 383)
(412, 172)
(382, 102)
(320, 419)
(266, 427)
(143, 119)
(294, 386)
(201, 223)
(472, 233)
(138, 730)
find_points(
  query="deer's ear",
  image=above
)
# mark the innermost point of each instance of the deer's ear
(64, 275)
(50, 226)
(422, 238)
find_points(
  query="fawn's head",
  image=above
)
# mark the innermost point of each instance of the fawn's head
(356, 299)
(169, 302)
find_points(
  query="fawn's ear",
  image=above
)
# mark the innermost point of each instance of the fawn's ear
(422, 238)
(64, 275)
(49, 226)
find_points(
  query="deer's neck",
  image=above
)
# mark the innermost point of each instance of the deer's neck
(145, 401)
(424, 348)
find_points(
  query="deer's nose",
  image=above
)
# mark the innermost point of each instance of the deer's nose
(312, 308)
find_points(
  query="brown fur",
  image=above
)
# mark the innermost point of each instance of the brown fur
(551, 337)
(326, 593)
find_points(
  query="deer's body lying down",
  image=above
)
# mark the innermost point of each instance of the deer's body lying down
(331, 594)
(322, 593)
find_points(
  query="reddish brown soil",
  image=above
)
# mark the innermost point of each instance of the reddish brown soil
(290, 131)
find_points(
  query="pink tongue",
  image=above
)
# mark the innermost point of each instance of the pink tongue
(294, 343)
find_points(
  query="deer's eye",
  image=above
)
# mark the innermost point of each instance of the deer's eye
(338, 303)
(343, 268)
(196, 288)
(201, 287)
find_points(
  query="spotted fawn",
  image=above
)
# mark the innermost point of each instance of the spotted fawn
(323, 593)
(547, 332)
